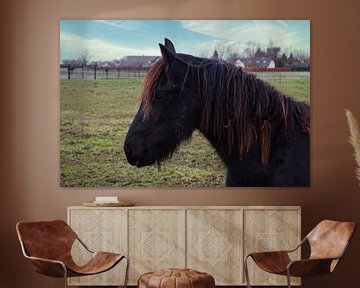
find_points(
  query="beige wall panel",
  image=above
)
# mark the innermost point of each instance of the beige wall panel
(156, 240)
(101, 230)
(269, 230)
(214, 244)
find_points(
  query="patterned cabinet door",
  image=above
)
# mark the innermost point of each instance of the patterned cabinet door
(156, 240)
(214, 244)
(270, 230)
(101, 230)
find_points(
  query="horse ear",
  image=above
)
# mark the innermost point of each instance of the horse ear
(176, 67)
(167, 55)
(170, 46)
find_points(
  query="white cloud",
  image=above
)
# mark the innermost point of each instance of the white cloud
(204, 48)
(127, 25)
(259, 31)
(71, 45)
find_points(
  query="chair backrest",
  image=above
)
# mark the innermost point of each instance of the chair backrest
(329, 239)
(46, 239)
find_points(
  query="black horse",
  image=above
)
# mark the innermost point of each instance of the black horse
(261, 135)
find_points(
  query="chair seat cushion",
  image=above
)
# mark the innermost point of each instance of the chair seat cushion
(272, 262)
(176, 278)
(99, 262)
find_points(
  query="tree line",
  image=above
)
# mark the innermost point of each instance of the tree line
(231, 52)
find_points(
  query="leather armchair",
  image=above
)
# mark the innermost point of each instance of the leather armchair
(328, 242)
(48, 245)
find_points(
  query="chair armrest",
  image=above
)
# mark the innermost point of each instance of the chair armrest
(298, 246)
(49, 267)
(268, 253)
(84, 245)
(46, 260)
(271, 261)
(309, 267)
(282, 251)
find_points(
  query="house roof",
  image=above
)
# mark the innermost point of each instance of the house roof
(262, 62)
(138, 60)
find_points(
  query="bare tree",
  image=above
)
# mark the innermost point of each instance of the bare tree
(271, 43)
(84, 57)
(250, 49)
(220, 48)
(228, 51)
(302, 56)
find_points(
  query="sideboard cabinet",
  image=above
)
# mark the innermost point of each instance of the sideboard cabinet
(211, 239)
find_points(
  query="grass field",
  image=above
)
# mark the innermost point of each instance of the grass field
(95, 117)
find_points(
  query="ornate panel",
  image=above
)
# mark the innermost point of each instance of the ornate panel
(269, 230)
(156, 240)
(209, 239)
(214, 241)
(101, 230)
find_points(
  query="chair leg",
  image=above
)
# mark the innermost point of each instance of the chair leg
(65, 276)
(288, 278)
(246, 272)
(127, 271)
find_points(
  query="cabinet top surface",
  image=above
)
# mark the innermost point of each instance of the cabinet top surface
(193, 207)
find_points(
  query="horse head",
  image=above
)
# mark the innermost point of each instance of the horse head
(168, 113)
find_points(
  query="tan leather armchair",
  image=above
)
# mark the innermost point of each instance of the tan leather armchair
(48, 245)
(328, 242)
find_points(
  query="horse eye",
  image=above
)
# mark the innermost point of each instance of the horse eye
(177, 85)
(158, 95)
(163, 91)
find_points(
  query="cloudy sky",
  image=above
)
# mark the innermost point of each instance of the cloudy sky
(113, 39)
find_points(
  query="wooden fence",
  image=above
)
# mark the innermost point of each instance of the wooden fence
(94, 73)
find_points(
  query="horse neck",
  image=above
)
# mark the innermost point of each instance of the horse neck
(238, 113)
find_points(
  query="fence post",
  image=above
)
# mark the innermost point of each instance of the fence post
(82, 72)
(107, 72)
(118, 70)
(95, 66)
(68, 69)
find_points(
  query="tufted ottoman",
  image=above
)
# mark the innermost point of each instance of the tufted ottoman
(176, 278)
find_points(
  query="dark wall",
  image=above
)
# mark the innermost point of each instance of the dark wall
(29, 119)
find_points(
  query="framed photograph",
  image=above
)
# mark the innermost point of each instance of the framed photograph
(185, 103)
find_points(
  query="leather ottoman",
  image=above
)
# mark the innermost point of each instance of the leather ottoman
(176, 278)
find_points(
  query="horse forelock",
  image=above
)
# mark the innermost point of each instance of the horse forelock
(150, 83)
(153, 75)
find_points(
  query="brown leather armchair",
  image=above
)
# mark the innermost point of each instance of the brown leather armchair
(48, 245)
(328, 242)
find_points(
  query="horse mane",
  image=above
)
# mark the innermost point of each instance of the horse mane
(237, 107)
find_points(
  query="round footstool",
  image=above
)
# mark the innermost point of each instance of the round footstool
(176, 278)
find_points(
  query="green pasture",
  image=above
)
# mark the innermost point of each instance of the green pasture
(95, 116)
